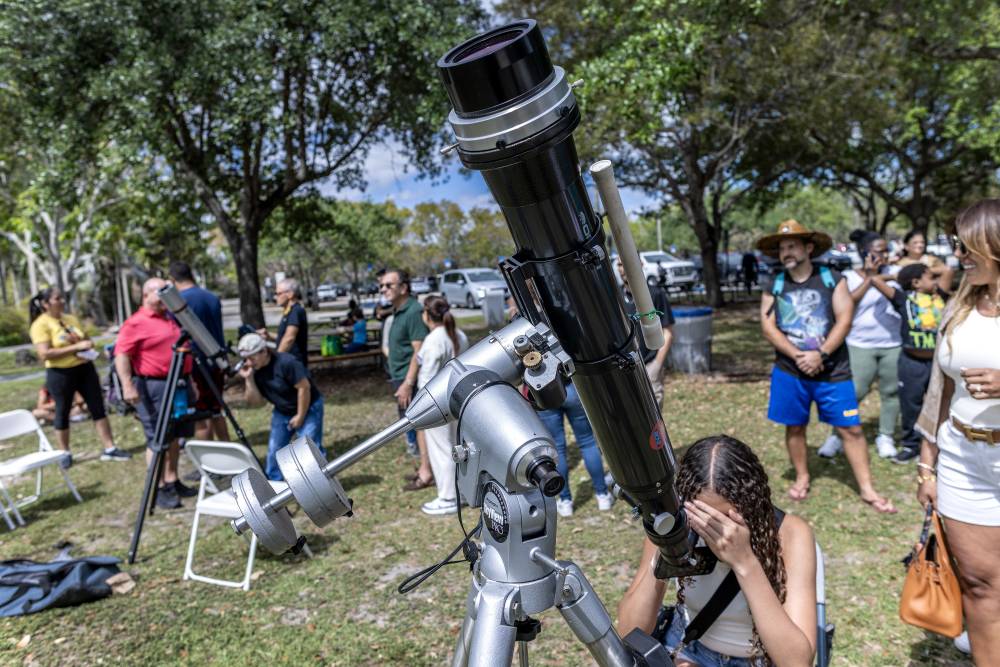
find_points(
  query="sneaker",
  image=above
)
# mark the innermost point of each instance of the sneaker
(886, 446)
(906, 455)
(413, 450)
(167, 498)
(115, 454)
(962, 643)
(604, 501)
(564, 507)
(831, 447)
(66, 462)
(184, 491)
(76, 419)
(439, 506)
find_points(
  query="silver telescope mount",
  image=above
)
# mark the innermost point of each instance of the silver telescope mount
(505, 464)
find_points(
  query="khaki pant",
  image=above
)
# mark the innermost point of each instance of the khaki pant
(657, 383)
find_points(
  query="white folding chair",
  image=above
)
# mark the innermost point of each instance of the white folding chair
(22, 422)
(226, 459)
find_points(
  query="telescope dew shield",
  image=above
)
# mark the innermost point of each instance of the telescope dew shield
(176, 304)
(514, 115)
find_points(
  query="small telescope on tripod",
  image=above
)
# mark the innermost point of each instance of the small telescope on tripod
(513, 116)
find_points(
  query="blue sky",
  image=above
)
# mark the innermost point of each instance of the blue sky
(389, 176)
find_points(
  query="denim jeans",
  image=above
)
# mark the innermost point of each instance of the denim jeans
(553, 420)
(411, 435)
(281, 435)
(697, 652)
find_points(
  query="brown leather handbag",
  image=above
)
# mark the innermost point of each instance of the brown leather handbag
(931, 597)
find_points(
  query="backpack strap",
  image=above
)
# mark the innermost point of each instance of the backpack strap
(826, 275)
(778, 286)
(724, 594)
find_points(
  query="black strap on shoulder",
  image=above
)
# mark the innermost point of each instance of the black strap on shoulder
(724, 594)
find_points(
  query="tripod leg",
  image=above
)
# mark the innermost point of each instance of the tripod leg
(461, 658)
(522, 654)
(152, 477)
(493, 637)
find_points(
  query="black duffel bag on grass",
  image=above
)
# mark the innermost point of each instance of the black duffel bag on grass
(27, 586)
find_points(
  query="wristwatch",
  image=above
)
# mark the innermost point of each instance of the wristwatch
(825, 357)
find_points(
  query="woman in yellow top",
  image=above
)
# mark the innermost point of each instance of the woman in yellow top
(69, 368)
(915, 250)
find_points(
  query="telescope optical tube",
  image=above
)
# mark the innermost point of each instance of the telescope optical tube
(514, 116)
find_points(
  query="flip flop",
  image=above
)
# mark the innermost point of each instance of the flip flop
(798, 492)
(417, 484)
(881, 505)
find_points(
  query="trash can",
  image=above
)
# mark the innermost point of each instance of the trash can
(493, 309)
(691, 350)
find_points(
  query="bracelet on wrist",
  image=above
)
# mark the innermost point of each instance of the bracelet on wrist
(929, 468)
(926, 478)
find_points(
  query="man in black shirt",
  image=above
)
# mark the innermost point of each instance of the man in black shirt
(806, 313)
(653, 359)
(293, 330)
(280, 379)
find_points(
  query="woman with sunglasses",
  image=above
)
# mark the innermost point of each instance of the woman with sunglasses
(68, 354)
(959, 469)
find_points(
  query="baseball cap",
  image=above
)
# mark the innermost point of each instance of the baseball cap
(251, 343)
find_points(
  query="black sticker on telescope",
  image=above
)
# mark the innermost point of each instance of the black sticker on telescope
(495, 514)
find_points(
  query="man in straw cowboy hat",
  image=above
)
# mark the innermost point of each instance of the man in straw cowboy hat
(806, 313)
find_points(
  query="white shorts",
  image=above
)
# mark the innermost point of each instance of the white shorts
(968, 482)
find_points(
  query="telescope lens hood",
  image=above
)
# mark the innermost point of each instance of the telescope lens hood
(496, 68)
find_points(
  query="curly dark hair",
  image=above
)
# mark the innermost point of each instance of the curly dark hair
(728, 467)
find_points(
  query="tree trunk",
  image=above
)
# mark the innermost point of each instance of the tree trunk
(708, 242)
(244, 249)
(3, 280)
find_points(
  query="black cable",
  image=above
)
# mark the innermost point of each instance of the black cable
(411, 582)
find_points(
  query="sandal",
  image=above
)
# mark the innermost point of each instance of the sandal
(799, 492)
(409, 477)
(418, 484)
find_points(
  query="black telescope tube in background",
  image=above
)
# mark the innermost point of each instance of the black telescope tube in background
(536, 180)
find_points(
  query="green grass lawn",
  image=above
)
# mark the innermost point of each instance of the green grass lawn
(342, 608)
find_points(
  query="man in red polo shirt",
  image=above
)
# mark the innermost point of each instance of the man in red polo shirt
(142, 360)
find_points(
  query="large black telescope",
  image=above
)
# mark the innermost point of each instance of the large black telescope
(514, 115)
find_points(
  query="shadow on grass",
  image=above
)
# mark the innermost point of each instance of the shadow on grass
(352, 482)
(56, 497)
(937, 650)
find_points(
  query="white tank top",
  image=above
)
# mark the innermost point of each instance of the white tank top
(732, 633)
(975, 343)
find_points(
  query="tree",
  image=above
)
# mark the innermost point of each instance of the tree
(313, 234)
(249, 103)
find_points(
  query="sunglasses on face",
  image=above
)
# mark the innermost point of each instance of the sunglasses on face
(387, 285)
(959, 244)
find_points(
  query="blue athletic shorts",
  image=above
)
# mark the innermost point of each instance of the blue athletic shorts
(792, 397)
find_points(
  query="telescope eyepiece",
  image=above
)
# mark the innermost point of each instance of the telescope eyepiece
(543, 474)
(496, 68)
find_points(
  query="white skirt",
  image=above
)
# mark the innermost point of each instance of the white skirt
(968, 482)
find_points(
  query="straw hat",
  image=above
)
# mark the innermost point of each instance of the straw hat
(793, 229)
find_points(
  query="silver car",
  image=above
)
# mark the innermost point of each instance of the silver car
(468, 287)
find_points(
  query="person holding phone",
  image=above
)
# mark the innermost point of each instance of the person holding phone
(873, 343)
(69, 354)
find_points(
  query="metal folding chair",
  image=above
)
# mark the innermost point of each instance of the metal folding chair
(225, 459)
(22, 422)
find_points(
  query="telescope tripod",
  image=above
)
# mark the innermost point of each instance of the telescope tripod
(164, 419)
(516, 576)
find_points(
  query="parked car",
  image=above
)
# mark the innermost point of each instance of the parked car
(664, 268)
(468, 287)
(420, 285)
(327, 292)
(943, 250)
(730, 267)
